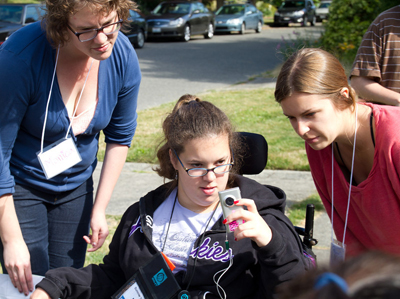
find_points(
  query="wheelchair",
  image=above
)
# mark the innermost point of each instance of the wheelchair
(254, 162)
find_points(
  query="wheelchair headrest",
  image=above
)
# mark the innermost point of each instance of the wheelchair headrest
(256, 153)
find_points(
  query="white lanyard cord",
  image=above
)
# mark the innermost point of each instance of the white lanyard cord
(333, 158)
(48, 100)
(351, 179)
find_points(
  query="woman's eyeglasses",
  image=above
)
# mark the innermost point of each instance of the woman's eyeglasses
(88, 35)
(198, 172)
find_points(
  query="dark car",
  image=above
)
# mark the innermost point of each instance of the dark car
(238, 17)
(15, 16)
(136, 31)
(180, 19)
(295, 11)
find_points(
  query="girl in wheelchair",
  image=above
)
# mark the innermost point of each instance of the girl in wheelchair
(184, 221)
(353, 150)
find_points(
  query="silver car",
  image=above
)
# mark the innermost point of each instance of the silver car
(322, 10)
(238, 17)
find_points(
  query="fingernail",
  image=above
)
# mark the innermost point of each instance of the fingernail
(225, 221)
(94, 244)
(236, 202)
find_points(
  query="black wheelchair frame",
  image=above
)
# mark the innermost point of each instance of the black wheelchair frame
(254, 162)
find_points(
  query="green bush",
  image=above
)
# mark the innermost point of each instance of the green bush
(348, 21)
(295, 42)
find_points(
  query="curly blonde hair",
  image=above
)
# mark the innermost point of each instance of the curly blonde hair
(58, 11)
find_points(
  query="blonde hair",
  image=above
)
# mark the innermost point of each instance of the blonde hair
(58, 11)
(314, 71)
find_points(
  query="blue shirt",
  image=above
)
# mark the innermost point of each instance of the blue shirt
(26, 67)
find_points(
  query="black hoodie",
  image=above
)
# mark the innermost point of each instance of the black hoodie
(254, 274)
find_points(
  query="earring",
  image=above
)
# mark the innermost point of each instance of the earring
(176, 174)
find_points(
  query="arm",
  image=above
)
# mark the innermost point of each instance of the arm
(278, 246)
(93, 281)
(16, 254)
(15, 85)
(372, 91)
(118, 135)
(114, 160)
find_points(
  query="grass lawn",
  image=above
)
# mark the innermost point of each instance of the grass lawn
(249, 110)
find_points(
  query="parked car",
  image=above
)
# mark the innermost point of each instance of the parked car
(137, 29)
(295, 11)
(180, 19)
(238, 17)
(322, 11)
(15, 16)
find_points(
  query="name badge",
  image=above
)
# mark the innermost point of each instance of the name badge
(338, 252)
(58, 157)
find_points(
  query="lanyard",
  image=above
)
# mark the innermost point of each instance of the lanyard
(351, 179)
(48, 100)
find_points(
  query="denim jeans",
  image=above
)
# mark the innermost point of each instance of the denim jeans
(53, 226)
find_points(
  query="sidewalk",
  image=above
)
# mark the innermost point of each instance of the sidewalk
(137, 179)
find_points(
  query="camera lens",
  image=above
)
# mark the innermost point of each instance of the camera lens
(229, 201)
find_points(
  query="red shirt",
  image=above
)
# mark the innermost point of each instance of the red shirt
(374, 213)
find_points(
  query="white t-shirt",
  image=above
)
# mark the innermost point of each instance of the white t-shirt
(186, 226)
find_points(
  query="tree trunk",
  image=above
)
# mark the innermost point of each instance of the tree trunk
(220, 3)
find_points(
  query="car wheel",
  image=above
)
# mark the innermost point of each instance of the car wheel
(210, 31)
(242, 28)
(259, 27)
(314, 20)
(186, 33)
(139, 40)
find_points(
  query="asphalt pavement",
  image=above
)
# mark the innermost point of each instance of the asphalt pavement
(137, 179)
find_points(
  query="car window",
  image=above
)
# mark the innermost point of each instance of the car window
(172, 8)
(324, 5)
(252, 8)
(32, 14)
(200, 7)
(134, 14)
(11, 14)
(231, 10)
(292, 4)
(42, 10)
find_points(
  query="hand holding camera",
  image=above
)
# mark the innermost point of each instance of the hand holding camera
(242, 218)
(227, 199)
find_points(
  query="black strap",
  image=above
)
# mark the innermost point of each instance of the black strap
(338, 150)
(371, 127)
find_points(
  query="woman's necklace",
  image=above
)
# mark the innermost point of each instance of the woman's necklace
(170, 220)
(338, 250)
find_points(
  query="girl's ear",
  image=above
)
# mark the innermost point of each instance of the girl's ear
(345, 92)
(173, 159)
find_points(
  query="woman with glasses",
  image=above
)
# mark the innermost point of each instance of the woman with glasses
(62, 81)
(183, 220)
